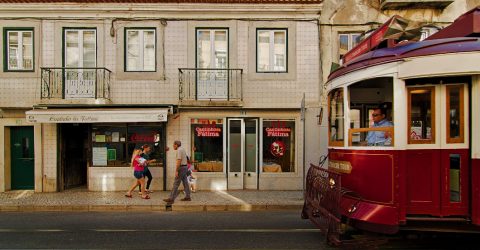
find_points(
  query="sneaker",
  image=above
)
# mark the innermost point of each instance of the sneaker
(168, 200)
(186, 199)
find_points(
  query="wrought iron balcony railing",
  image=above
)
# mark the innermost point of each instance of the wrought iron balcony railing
(198, 84)
(75, 83)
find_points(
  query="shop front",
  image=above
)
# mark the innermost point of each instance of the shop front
(259, 152)
(95, 145)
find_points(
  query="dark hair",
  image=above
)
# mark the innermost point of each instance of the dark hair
(178, 143)
(145, 146)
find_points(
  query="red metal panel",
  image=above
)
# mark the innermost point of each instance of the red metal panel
(372, 174)
(465, 25)
(423, 181)
(475, 202)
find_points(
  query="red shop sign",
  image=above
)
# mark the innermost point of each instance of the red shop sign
(208, 131)
(143, 137)
(278, 132)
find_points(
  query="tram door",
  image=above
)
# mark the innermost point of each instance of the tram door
(437, 162)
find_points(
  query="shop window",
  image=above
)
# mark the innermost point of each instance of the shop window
(113, 146)
(207, 144)
(19, 49)
(455, 120)
(140, 51)
(272, 50)
(335, 117)
(421, 115)
(278, 146)
(370, 113)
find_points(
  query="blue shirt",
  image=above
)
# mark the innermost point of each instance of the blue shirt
(377, 138)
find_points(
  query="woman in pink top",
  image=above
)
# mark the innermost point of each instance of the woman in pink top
(138, 164)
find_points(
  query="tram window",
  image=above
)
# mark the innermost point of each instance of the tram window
(421, 114)
(455, 177)
(370, 112)
(454, 114)
(335, 117)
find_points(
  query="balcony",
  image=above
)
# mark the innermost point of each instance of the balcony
(210, 87)
(414, 4)
(75, 85)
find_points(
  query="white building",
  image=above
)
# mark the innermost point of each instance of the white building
(82, 83)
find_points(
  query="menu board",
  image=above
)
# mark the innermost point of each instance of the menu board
(99, 156)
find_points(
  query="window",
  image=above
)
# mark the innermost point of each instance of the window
(278, 146)
(371, 112)
(421, 115)
(113, 145)
(428, 31)
(347, 42)
(19, 49)
(272, 50)
(335, 117)
(212, 48)
(455, 120)
(140, 49)
(207, 144)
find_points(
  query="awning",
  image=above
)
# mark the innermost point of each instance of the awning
(97, 115)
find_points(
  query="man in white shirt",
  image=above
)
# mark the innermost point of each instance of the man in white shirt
(181, 169)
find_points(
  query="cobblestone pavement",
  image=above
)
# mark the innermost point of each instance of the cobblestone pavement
(83, 200)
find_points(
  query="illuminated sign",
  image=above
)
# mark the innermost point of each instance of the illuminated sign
(208, 131)
(278, 132)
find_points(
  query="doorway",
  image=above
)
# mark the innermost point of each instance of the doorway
(242, 153)
(22, 158)
(74, 148)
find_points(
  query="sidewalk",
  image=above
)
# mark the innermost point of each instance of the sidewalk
(83, 200)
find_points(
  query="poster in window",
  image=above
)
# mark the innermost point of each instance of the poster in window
(115, 136)
(99, 156)
(111, 154)
(100, 138)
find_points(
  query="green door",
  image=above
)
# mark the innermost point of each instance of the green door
(22, 157)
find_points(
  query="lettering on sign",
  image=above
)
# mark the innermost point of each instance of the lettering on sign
(208, 131)
(344, 167)
(143, 137)
(278, 132)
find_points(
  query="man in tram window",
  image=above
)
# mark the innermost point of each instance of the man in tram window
(379, 138)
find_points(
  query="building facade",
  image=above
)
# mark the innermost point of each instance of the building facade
(83, 83)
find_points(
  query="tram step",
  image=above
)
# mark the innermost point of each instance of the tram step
(441, 219)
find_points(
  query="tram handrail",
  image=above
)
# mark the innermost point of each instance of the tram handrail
(389, 130)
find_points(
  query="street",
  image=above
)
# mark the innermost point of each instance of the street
(159, 230)
(187, 230)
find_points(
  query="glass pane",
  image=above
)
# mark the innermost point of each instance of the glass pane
(455, 178)
(280, 51)
(89, 49)
(221, 50)
(251, 146)
(263, 53)
(421, 114)
(454, 111)
(234, 146)
(149, 51)
(207, 145)
(204, 49)
(133, 51)
(343, 44)
(355, 123)
(336, 115)
(13, 50)
(72, 50)
(278, 146)
(355, 40)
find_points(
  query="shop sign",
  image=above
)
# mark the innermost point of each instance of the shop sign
(278, 132)
(83, 116)
(208, 131)
(143, 137)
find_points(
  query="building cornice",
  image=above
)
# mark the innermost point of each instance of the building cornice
(161, 10)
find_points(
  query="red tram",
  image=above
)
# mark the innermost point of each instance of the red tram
(423, 165)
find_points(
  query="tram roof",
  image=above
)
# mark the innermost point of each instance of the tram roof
(461, 36)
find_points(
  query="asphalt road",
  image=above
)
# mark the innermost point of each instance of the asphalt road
(161, 230)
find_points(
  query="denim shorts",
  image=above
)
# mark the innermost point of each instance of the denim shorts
(138, 174)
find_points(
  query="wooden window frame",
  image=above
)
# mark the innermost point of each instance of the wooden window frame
(409, 115)
(461, 137)
(389, 129)
(330, 142)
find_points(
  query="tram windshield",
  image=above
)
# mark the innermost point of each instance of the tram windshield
(370, 114)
